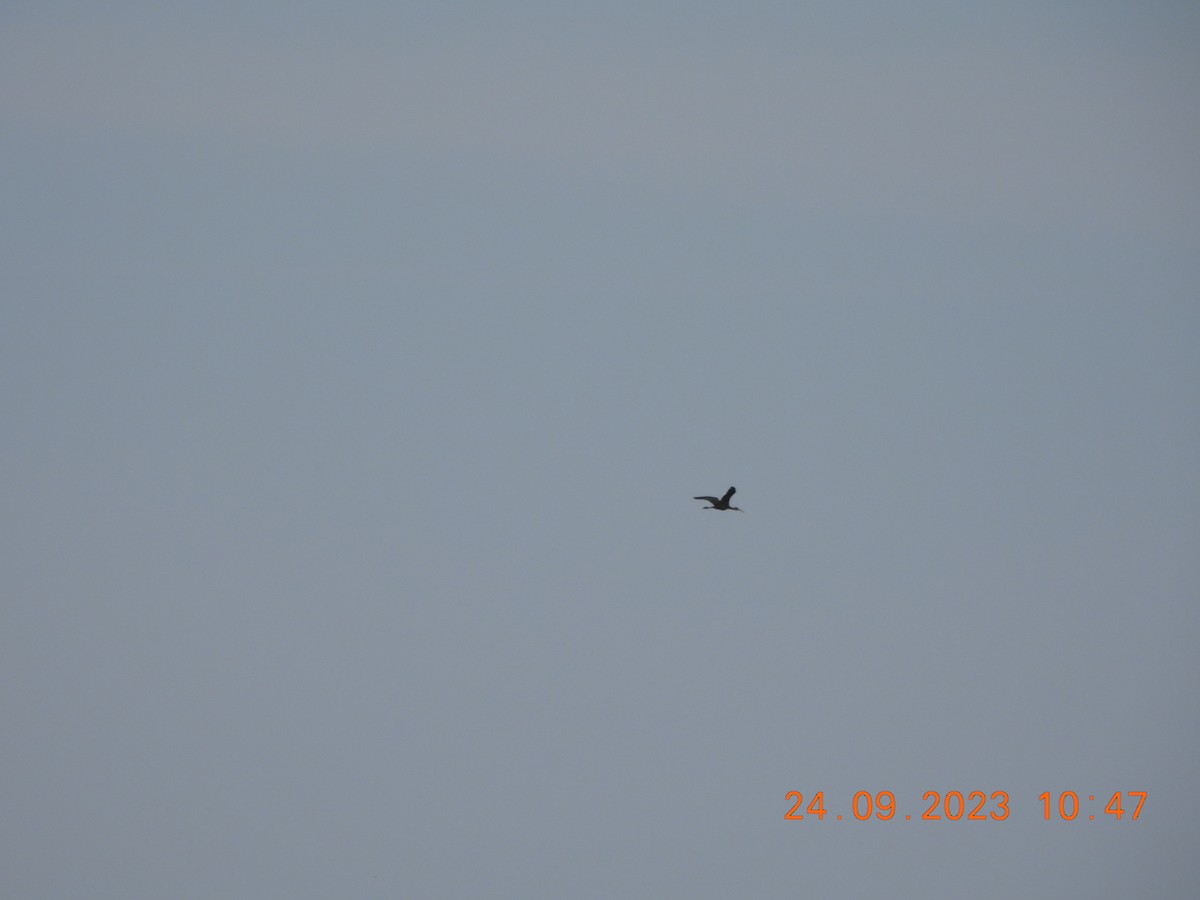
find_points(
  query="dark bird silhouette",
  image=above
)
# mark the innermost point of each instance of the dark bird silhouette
(720, 502)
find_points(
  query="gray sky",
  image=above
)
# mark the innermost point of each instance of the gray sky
(360, 362)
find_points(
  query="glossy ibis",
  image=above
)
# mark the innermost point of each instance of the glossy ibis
(720, 502)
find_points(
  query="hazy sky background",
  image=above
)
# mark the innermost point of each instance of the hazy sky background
(358, 365)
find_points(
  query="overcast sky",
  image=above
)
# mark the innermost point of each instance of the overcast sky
(358, 365)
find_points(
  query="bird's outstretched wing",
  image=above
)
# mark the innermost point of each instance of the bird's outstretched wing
(729, 493)
(709, 499)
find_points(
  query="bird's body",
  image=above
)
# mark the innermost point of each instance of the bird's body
(720, 502)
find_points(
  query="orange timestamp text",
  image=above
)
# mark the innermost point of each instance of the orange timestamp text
(955, 806)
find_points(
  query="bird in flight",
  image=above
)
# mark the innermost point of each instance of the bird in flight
(720, 502)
